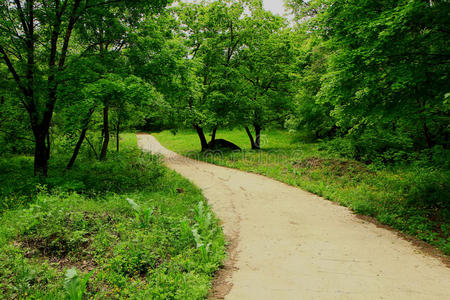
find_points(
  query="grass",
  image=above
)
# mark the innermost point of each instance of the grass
(124, 228)
(412, 198)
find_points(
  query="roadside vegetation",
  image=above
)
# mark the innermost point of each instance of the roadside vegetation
(410, 196)
(124, 228)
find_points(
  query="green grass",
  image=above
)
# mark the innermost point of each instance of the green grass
(124, 228)
(411, 198)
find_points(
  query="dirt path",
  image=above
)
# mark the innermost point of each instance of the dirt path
(290, 244)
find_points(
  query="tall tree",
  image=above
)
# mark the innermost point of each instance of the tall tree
(267, 62)
(214, 34)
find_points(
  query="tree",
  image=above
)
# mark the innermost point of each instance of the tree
(157, 55)
(214, 34)
(127, 100)
(266, 68)
(388, 74)
(310, 116)
(34, 44)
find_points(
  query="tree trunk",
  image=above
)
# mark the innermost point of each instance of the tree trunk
(77, 149)
(202, 137)
(257, 137)
(41, 155)
(117, 135)
(213, 135)
(250, 136)
(105, 132)
(427, 135)
(92, 147)
(48, 144)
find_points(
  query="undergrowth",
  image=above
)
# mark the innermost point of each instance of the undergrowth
(125, 228)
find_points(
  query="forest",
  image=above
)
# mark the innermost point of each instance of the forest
(347, 99)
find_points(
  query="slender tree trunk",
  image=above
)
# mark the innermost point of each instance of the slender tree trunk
(201, 136)
(81, 140)
(257, 137)
(117, 135)
(77, 148)
(92, 147)
(101, 139)
(213, 135)
(426, 132)
(250, 136)
(40, 153)
(427, 135)
(105, 132)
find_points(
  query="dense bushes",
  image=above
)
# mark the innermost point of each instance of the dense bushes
(375, 78)
(126, 171)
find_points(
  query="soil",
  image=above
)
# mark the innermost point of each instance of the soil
(285, 243)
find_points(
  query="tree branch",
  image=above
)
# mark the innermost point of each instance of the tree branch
(72, 20)
(18, 137)
(103, 3)
(22, 16)
(15, 75)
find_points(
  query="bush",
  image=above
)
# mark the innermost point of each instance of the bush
(372, 146)
(122, 172)
(429, 190)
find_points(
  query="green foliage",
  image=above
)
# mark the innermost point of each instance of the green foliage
(74, 285)
(377, 80)
(368, 78)
(127, 171)
(212, 34)
(311, 118)
(266, 67)
(15, 137)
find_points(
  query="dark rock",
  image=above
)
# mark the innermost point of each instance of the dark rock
(221, 144)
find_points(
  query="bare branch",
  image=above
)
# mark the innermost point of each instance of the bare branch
(13, 72)
(18, 137)
(21, 16)
(72, 20)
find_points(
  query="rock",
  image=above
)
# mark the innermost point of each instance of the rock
(221, 144)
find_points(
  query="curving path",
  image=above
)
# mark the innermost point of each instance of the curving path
(286, 243)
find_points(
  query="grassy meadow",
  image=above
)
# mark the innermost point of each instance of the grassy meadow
(410, 197)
